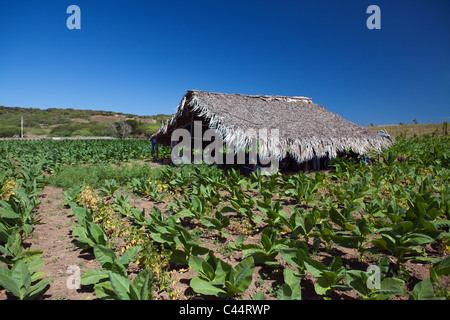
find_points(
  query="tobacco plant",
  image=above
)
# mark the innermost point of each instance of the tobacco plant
(270, 248)
(23, 280)
(328, 278)
(291, 289)
(220, 279)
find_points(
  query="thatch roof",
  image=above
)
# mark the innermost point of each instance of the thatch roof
(305, 129)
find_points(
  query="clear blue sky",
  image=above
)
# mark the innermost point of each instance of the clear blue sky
(141, 56)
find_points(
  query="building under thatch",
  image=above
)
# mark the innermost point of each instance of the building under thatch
(306, 130)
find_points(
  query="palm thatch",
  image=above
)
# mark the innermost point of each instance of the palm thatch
(306, 130)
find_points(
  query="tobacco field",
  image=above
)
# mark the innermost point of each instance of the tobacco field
(358, 231)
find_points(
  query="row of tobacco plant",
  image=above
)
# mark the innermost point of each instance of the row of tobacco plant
(20, 186)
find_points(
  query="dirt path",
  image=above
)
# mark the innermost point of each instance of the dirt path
(55, 238)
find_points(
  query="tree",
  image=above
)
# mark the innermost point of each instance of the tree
(134, 126)
(9, 132)
(122, 129)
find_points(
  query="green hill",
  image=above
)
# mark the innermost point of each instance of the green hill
(70, 122)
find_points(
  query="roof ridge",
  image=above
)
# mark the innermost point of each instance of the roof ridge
(260, 96)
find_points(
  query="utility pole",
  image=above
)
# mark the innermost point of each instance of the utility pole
(21, 126)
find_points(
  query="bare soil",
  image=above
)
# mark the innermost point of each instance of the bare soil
(54, 237)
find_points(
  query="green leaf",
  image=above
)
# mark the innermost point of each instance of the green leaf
(389, 242)
(358, 281)
(232, 289)
(291, 289)
(416, 239)
(442, 268)
(82, 213)
(178, 257)
(186, 213)
(322, 286)
(259, 255)
(243, 274)
(97, 233)
(383, 264)
(433, 276)
(38, 288)
(35, 265)
(30, 255)
(14, 244)
(403, 227)
(314, 267)
(285, 292)
(93, 276)
(129, 255)
(22, 277)
(9, 284)
(222, 270)
(117, 267)
(207, 271)
(104, 256)
(36, 276)
(426, 259)
(295, 257)
(196, 264)
(121, 286)
(423, 290)
(347, 241)
(134, 293)
(144, 284)
(259, 296)
(238, 244)
(210, 222)
(204, 287)
(266, 242)
(199, 250)
(105, 291)
(389, 287)
(337, 218)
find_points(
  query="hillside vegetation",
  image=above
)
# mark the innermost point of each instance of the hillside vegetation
(72, 122)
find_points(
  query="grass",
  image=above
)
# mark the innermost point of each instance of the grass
(414, 130)
(95, 175)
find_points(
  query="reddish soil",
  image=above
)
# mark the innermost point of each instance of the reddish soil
(54, 237)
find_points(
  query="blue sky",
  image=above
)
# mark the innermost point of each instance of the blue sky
(141, 56)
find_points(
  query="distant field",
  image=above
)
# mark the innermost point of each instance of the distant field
(414, 130)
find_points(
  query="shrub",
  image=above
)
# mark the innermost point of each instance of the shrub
(80, 129)
(9, 132)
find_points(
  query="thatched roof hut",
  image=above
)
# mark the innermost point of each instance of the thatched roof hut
(306, 130)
